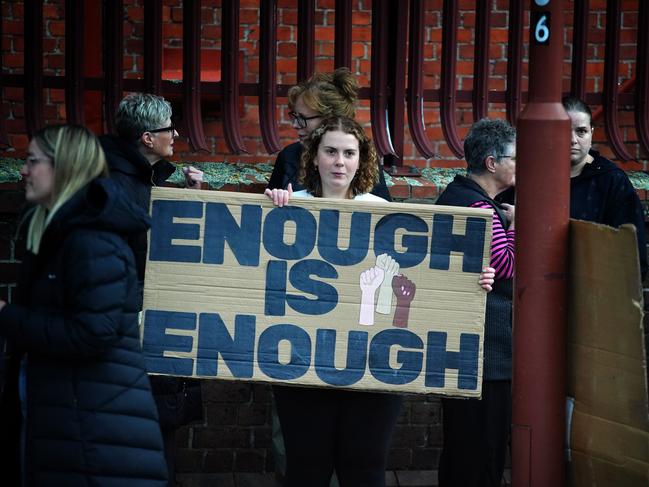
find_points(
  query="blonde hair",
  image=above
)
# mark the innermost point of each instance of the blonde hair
(367, 174)
(77, 159)
(329, 94)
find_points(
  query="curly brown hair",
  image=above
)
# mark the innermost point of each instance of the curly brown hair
(328, 94)
(367, 173)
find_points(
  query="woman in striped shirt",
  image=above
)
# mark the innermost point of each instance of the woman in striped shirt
(476, 431)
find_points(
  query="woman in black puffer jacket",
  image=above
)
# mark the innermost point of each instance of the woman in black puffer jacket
(77, 407)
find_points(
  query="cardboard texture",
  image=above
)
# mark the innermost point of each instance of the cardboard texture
(239, 289)
(609, 438)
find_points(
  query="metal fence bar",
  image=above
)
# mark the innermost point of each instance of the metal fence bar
(642, 79)
(611, 59)
(378, 83)
(448, 83)
(305, 38)
(579, 46)
(4, 139)
(230, 76)
(74, 62)
(415, 80)
(192, 113)
(514, 60)
(113, 59)
(152, 46)
(481, 60)
(33, 55)
(343, 34)
(268, 75)
(396, 60)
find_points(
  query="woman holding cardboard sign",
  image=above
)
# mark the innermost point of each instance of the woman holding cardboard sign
(327, 429)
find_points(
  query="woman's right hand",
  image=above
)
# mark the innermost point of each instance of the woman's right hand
(280, 197)
(510, 213)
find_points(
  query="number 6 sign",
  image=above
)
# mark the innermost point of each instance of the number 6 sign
(541, 27)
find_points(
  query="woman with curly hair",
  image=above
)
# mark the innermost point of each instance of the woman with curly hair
(328, 429)
(322, 96)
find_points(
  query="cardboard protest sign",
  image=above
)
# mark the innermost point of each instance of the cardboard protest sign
(347, 294)
(608, 414)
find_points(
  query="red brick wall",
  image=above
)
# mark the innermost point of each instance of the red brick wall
(12, 46)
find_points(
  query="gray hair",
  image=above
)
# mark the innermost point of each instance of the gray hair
(487, 138)
(139, 112)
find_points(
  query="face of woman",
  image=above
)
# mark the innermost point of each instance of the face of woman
(337, 162)
(163, 140)
(306, 120)
(38, 174)
(506, 168)
(581, 138)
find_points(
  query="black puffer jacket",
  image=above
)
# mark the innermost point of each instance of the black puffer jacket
(136, 176)
(90, 418)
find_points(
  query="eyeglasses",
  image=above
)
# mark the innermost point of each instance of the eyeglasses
(171, 128)
(512, 157)
(300, 119)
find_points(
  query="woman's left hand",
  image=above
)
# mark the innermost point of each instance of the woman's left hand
(486, 279)
(280, 197)
(2, 304)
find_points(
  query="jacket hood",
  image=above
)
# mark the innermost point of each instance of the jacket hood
(101, 205)
(123, 156)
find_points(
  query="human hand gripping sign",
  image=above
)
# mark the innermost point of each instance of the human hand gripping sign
(390, 268)
(369, 282)
(404, 289)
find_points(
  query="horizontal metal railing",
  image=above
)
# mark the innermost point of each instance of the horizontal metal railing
(398, 45)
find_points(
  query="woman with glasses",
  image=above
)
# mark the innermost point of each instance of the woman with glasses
(77, 407)
(327, 430)
(476, 430)
(310, 102)
(136, 158)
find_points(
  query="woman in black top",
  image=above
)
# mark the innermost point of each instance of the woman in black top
(323, 95)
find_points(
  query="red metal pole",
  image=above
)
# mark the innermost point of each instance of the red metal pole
(540, 300)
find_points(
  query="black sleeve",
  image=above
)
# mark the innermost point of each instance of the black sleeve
(624, 207)
(381, 189)
(277, 177)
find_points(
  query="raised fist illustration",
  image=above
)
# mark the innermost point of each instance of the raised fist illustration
(369, 281)
(404, 289)
(391, 269)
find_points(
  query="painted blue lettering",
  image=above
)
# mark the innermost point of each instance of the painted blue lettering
(415, 245)
(305, 233)
(243, 240)
(379, 358)
(156, 341)
(164, 230)
(326, 295)
(237, 351)
(444, 241)
(438, 360)
(359, 237)
(275, 295)
(268, 352)
(325, 352)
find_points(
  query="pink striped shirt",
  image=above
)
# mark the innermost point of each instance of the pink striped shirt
(502, 245)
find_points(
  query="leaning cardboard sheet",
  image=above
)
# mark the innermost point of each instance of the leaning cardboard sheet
(608, 417)
(321, 293)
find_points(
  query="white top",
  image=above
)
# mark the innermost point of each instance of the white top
(359, 197)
